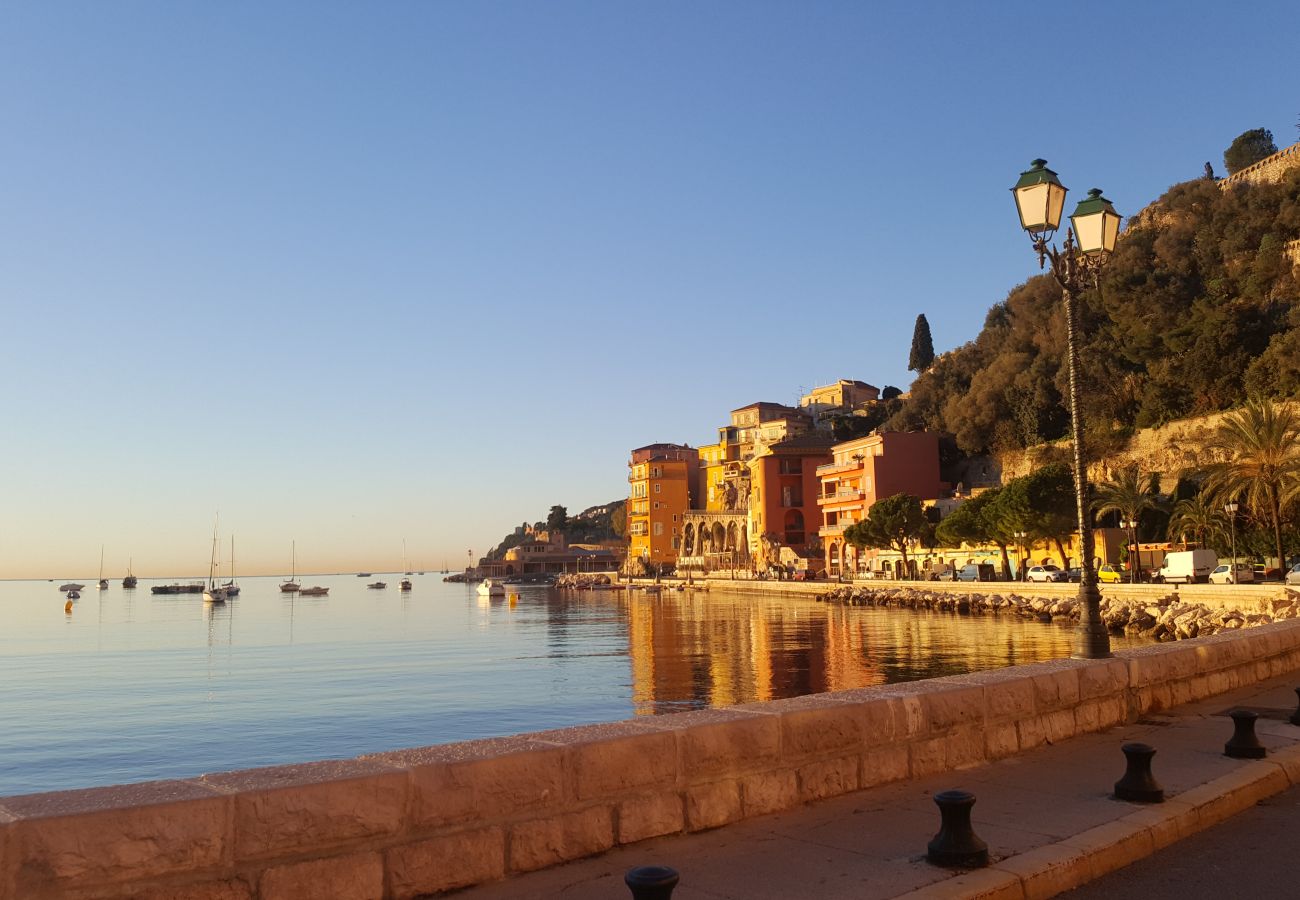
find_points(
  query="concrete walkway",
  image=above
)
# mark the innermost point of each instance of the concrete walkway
(1047, 816)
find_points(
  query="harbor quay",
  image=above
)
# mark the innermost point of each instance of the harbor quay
(419, 822)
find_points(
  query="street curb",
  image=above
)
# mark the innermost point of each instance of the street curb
(1053, 868)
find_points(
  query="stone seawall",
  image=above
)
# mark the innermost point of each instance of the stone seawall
(414, 822)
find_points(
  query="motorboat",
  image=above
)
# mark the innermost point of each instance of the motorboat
(363, 574)
(406, 584)
(178, 588)
(73, 595)
(489, 588)
(377, 585)
(312, 591)
(70, 586)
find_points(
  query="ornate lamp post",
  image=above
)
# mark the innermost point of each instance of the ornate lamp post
(1130, 528)
(1231, 509)
(1023, 551)
(1040, 198)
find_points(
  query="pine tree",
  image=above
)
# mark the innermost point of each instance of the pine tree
(922, 346)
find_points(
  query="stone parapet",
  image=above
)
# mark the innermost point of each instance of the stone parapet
(411, 823)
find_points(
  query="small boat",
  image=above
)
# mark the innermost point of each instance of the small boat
(177, 588)
(71, 587)
(292, 584)
(103, 582)
(406, 584)
(377, 585)
(313, 591)
(489, 588)
(73, 595)
(363, 574)
(130, 580)
(406, 580)
(213, 593)
(232, 589)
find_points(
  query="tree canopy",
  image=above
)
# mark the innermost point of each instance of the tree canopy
(922, 354)
(558, 518)
(1248, 148)
(1197, 308)
(891, 524)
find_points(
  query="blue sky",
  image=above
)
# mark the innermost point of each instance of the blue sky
(357, 273)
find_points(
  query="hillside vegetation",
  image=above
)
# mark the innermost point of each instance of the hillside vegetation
(1198, 308)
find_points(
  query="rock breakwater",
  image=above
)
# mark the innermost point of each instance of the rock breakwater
(1167, 618)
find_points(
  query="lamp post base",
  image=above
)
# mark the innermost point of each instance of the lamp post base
(1092, 640)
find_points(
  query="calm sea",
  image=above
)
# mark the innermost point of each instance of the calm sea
(130, 686)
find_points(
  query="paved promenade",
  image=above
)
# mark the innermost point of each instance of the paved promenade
(1047, 816)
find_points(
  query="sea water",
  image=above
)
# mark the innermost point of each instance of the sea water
(132, 686)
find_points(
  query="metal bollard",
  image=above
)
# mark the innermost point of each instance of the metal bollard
(651, 882)
(1138, 784)
(1295, 716)
(1244, 744)
(956, 845)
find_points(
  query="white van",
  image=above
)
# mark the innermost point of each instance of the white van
(1187, 566)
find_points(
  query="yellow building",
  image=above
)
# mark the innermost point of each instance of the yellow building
(662, 479)
(842, 395)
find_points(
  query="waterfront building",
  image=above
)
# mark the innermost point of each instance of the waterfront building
(1108, 544)
(549, 552)
(662, 480)
(783, 509)
(864, 470)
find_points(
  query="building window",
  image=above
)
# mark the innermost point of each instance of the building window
(674, 517)
(657, 487)
(659, 529)
(677, 542)
(655, 471)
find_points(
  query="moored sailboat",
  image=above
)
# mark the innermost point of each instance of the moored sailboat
(213, 593)
(130, 580)
(292, 584)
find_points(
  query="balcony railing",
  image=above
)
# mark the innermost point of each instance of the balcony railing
(838, 467)
(839, 496)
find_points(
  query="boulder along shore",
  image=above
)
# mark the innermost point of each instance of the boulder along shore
(1167, 619)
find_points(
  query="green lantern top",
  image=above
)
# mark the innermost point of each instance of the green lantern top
(1096, 224)
(1040, 198)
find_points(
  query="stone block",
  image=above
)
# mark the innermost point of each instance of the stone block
(768, 792)
(1112, 846)
(739, 743)
(883, 765)
(1102, 678)
(1059, 725)
(650, 816)
(828, 778)
(954, 707)
(480, 790)
(233, 889)
(978, 884)
(927, 757)
(1001, 740)
(446, 863)
(1097, 715)
(1049, 870)
(104, 836)
(1009, 699)
(1229, 794)
(1055, 688)
(964, 747)
(604, 762)
(358, 876)
(814, 726)
(712, 805)
(545, 842)
(314, 806)
(1168, 822)
(1032, 733)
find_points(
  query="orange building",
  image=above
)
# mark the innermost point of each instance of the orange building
(868, 469)
(663, 479)
(783, 514)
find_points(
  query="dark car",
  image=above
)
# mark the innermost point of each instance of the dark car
(1075, 574)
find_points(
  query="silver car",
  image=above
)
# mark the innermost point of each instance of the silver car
(1046, 573)
(1293, 577)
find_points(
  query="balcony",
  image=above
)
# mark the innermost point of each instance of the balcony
(840, 496)
(835, 468)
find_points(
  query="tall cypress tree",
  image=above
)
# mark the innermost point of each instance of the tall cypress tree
(922, 346)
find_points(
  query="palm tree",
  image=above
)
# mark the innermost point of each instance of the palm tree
(1259, 449)
(1198, 517)
(1130, 493)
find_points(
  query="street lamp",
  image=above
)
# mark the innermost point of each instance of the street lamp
(1040, 198)
(1130, 526)
(1020, 546)
(1231, 509)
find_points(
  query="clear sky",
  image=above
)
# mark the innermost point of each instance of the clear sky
(353, 273)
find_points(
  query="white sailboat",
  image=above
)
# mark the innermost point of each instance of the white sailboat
(232, 589)
(103, 582)
(213, 593)
(406, 581)
(292, 585)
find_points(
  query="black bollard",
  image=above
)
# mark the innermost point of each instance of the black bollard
(1295, 716)
(1138, 784)
(651, 882)
(1244, 744)
(956, 845)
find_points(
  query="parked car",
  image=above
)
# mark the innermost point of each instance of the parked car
(1074, 574)
(1045, 573)
(975, 572)
(1293, 577)
(1222, 574)
(1109, 574)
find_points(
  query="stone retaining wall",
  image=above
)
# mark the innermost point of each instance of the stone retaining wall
(414, 822)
